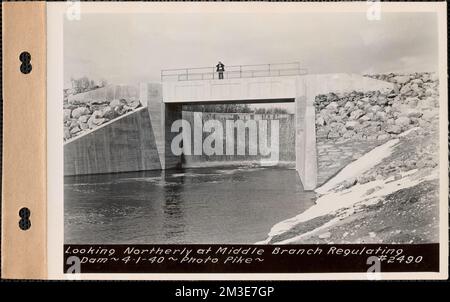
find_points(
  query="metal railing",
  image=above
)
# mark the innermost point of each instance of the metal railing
(233, 72)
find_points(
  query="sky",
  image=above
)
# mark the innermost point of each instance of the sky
(133, 48)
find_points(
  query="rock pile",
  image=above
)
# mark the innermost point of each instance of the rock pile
(80, 118)
(414, 101)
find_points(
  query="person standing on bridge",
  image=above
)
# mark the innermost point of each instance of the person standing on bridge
(220, 69)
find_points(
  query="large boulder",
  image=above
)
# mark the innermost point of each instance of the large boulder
(320, 121)
(405, 89)
(412, 101)
(430, 115)
(394, 129)
(426, 77)
(381, 116)
(367, 117)
(73, 123)
(349, 182)
(342, 112)
(83, 126)
(109, 113)
(332, 107)
(94, 121)
(417, 81)
(401, 79)
(382, 100)
(326, 115)
(434, 77)
(356, 114)
(133, 103)
(121, 110)
(383, 136)
(351, 125)
(97, 114)
(83, 119)
(414, 113)
(115, 103)
(349, 106)
(415, 88)
(429, 92)
(371, 130)
(75, 130)
(76, 113)
(374, 109)
(403, 121)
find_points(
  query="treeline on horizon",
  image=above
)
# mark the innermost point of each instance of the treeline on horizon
(233, 108)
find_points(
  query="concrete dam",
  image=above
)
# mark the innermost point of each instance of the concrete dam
(141, 140)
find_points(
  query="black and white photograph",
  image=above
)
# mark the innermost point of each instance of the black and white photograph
(300, 129)
(265, 128)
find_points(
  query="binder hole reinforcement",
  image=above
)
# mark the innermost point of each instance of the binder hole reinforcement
(26, 66)
(24, 222)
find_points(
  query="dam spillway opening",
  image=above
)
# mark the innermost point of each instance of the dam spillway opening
(235, 134)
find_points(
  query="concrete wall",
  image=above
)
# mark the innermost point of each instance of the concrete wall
(108, 93)
(263, 88)
(161, 117)
(122, 145)
(150, 95)
(172, 112)
(286, 139)
(333, 156)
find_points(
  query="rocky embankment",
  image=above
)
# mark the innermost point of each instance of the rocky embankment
(389, 194)
(376, 115)
(80, 118)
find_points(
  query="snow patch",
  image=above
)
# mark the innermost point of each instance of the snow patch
(407, 132)
(343, 203)
(334, 201)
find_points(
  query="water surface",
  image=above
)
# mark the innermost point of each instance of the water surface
(201, 205)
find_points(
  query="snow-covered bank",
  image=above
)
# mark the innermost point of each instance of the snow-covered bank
(345, 199)
(385, 189)
(340, 199)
